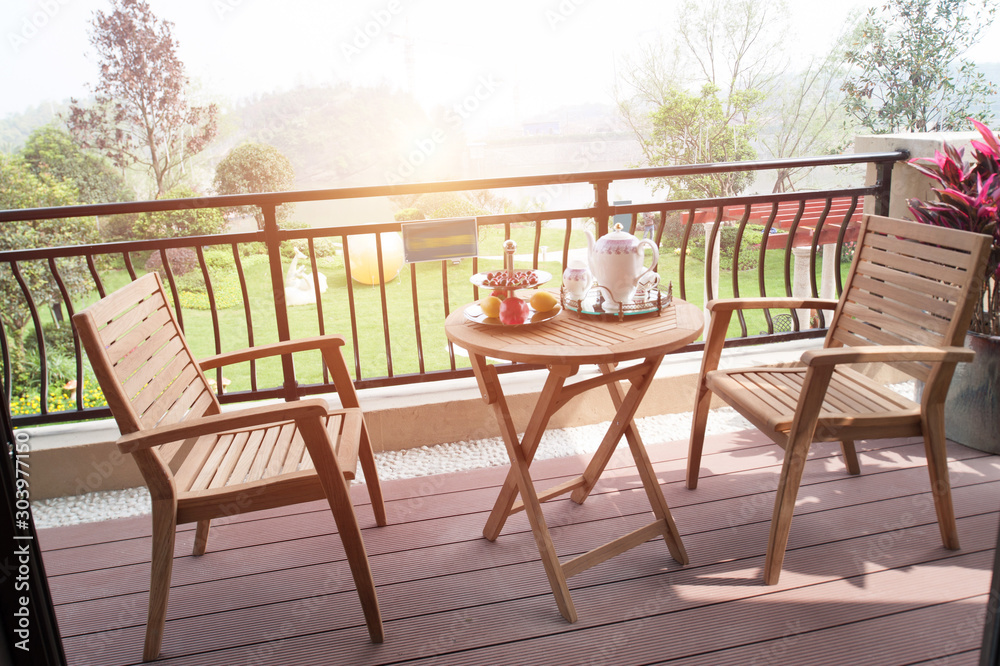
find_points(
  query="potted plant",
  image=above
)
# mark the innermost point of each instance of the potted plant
(969, 198)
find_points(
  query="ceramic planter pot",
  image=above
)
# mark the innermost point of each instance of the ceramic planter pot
(972, 409)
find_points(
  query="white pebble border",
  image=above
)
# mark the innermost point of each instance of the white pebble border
(422, 461)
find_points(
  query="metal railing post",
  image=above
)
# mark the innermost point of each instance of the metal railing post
(883, 181)
(602, 211)
(272, 241)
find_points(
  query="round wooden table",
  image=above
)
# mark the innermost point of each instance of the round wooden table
(562, 344)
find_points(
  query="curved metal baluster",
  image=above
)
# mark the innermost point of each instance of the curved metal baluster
(169, 271)
(814, 248)
(351, 308)
(765, 234)
(788, 260)
(97, 278)
(77, 355)
(246, 311)
(735, 268)
(43, 385)
(416, 314)
(684, 246)
(710, 254)
(214, 310)
(385, 308)
(840, 243)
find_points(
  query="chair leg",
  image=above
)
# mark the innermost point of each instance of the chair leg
(339, 497)
(347, 525)
(367, 459)
(714, 340)
(850, 456)
(784, 506)
(201, 537)
(164, 532)
(699, 422)
(937, 467)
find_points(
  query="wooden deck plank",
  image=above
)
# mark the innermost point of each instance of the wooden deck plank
(274, 586)
(272, 533)
(462, 628)
(475, 555)
(669, 468)
(751, 491)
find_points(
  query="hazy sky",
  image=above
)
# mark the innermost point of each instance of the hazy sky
(498, 57)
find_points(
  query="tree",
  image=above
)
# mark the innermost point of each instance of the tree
(807, 113)
(255, 167)
(141, 114)
(21, 188)
(730, 45)
(52, 151)
(175, 223)
(910, 74)
(700, 129)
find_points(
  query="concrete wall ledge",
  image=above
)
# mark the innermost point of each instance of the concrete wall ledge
(73, 459)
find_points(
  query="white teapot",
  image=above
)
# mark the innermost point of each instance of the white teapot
(616, 260)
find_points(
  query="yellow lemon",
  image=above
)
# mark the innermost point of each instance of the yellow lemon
(543, 301)
(490, 306)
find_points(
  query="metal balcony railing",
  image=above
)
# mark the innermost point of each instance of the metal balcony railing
(394, 337)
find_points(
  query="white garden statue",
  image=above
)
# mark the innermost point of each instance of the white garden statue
(299, 288)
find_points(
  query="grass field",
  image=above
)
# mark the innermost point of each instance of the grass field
(397, 314)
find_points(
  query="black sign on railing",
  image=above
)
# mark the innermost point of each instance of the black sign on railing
(435, 240)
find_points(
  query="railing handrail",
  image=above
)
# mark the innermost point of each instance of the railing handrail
(298, 196)
(597, 211)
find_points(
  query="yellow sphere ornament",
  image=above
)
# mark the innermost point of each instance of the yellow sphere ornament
(363, 257)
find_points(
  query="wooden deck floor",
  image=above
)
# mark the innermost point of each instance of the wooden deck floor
(866, 580)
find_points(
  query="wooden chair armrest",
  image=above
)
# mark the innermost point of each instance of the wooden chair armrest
(732, 304)
(274, 349)
(886, 354)
(206, 425)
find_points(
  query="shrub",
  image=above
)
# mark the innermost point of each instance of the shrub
(749, 246)
(58, 337)
(409, 214)
(218, 259)
(174, 223)
(182, 260)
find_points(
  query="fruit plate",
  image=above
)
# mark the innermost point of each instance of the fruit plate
(475, 313)
(489, 281)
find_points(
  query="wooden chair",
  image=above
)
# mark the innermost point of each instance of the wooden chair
(907, 301)
(200, 463)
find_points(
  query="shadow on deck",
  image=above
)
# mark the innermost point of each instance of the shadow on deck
(866, 579)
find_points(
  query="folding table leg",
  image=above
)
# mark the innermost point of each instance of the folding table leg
(657, 501)
(532, 507)
(654, 494)
(625, 406)
(528, 444)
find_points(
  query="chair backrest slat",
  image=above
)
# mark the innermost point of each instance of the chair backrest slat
(193, 400)
(938, 307)
(158, 398)
(145, 368)
(136, 348)
(922, 329)
(910, 284)
(160, 365)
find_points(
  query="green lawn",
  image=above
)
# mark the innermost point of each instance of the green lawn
(400, 316)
